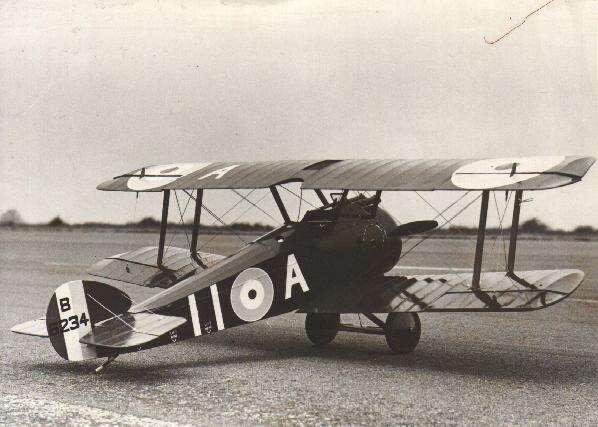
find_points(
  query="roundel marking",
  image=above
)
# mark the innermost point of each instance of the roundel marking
(252, 294)
(495, 173)
(157, 176)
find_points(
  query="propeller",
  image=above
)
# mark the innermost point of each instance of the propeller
(415, 227)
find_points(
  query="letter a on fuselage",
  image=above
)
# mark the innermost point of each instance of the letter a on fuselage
(294, 277)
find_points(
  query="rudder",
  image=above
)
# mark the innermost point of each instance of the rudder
(72, 311)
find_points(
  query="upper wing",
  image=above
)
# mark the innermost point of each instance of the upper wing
(512, 173)
(186, 176)
(450, 292)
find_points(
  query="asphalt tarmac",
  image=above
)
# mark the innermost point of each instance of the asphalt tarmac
(523, 368)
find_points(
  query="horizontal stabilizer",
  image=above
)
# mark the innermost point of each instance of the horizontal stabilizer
(140, 267)
(131, 330)
(498, 291)
(36, 328)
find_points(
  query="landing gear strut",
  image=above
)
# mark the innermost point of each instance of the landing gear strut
(402, 331)
(321, 328)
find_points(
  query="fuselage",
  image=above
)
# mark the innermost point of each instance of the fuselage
(337, 244)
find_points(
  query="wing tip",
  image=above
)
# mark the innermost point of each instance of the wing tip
(107, 185)
(569, 281)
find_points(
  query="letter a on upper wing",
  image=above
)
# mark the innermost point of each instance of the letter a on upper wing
(219, 173)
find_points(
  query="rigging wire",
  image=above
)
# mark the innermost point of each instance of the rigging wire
(208, 210)
(256, 206)
(500, 230)
(438, 228)
(440, 214)
(182, 215)
(235, 219)
(296, 195)
(454, 271)
(443, 211)
(111, 312)
(300, 200)
(454, 203)
(237, 203)
(182, 222)
(134, 303)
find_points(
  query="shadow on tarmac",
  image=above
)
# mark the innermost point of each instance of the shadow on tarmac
(250, 345)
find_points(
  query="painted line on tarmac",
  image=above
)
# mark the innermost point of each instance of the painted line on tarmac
(590, 301)
(29, 409)
(64, 264)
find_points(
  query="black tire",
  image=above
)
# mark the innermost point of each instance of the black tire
(321, 328)
(402, 331)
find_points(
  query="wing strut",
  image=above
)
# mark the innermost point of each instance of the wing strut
(479, 249)
(321, 196)
(163, 224)
(278, 200)
(195, 231)
(514, 232)
(513, 242)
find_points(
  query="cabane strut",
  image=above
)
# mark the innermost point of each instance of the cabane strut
(281, 208)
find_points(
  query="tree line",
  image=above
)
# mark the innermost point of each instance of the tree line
(12, 218)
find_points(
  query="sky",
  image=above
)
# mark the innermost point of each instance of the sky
(90, 90)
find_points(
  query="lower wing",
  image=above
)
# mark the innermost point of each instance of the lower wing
(140, 267)
(498, 291)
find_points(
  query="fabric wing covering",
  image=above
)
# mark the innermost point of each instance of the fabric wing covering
(140, 267)
(498, 291)
(508, 173)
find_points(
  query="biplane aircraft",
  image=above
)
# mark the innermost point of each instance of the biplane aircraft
(339, 258)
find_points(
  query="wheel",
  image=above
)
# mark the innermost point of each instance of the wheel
(402, 332)
(321, 328)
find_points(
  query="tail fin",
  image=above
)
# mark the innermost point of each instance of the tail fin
(72, 311)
